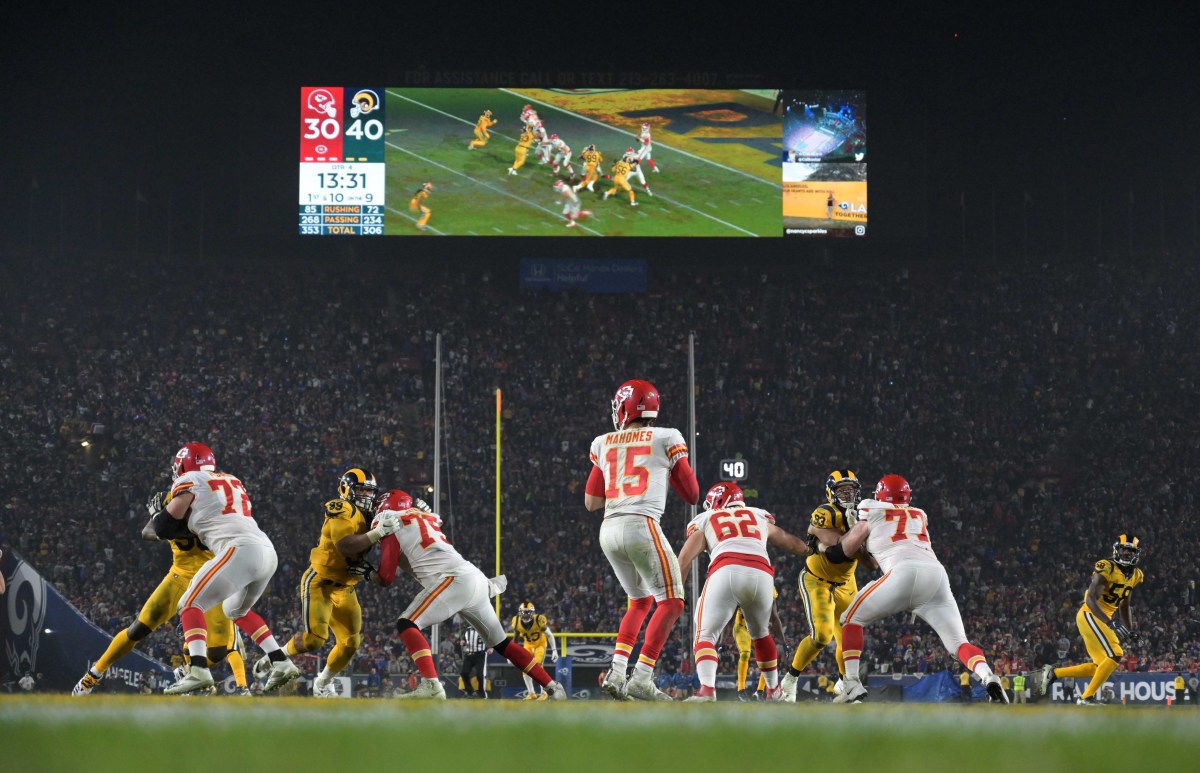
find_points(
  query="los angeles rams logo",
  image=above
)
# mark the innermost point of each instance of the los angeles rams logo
(364, 101)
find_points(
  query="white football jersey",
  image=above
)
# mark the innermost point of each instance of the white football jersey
(735, 529)
(421, 541)
(221, 514)
(636, 464)
(898, 533)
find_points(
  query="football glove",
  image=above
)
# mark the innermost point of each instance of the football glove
(155, 501)
(812, 543)
(383, 526)
(851, 516)
(553, 657)
(420, 504)
(1125, 635)
(360, 568)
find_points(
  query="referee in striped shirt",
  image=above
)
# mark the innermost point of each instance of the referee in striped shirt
(471, 677)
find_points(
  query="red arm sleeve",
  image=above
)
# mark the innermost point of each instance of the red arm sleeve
(595, 483)
(683, 480)
(389, 558)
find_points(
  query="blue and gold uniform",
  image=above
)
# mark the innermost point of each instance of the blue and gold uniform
(328, 600)
(1104, 618)
(827, 588)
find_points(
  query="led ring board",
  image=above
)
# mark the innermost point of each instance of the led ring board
(582, 162)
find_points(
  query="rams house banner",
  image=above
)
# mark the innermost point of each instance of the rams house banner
(44, 635)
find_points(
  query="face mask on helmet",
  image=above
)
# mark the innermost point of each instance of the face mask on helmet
(1126, 550)
(526, 612)
(842, 487)
(358, 486)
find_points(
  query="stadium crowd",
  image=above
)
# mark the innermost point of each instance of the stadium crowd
(1038, 411)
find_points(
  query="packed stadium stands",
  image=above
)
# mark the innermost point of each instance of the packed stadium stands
(1038, 410)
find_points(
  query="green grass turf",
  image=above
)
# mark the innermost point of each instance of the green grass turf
(427, 135)
(134, 733)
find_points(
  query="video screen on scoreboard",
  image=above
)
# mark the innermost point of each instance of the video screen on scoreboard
(579, 162)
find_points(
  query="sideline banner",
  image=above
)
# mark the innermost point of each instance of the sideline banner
(46, 636)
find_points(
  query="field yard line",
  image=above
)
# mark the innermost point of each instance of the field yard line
(664, 198)
(656, 142)
(486, 185)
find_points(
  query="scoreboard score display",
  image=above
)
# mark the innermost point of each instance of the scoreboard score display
(342, 179)
(695, 162)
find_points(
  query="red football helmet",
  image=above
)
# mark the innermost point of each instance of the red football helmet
(193, 457)
(723, 495)
(635, 399)
(396, 501)
(893, 488)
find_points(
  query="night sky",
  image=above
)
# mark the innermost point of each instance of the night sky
(104, 105)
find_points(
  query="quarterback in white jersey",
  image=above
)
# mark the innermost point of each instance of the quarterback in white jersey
(450, 585)
(739, 575)
(215, 507)
(897, 537)
(646, 148)
(631, 469)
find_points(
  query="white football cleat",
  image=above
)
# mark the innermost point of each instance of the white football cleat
(642, 687)
(633, 203)
(614, 685)
(788, 685)
(280, 674)
(571, 224)
(604, 197)
(512, 171)
(853, 691)
(323, 689)
(427, 689)
(995, 690)
(197, 679)
(703, 695)
(774, 694)
(555, 690)
(646, 188)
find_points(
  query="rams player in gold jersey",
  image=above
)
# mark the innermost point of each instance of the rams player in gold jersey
(328, 600)
(592, 159)
(418, 204)
(188, 555)
(826, 588)
(485, 122)
(522, 149)
(620, 171)
(534, 632)
(1105, 600)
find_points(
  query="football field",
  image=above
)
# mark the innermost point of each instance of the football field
(135, 733)
(715, 149)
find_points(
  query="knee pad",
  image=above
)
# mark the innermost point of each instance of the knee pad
(137, 631)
